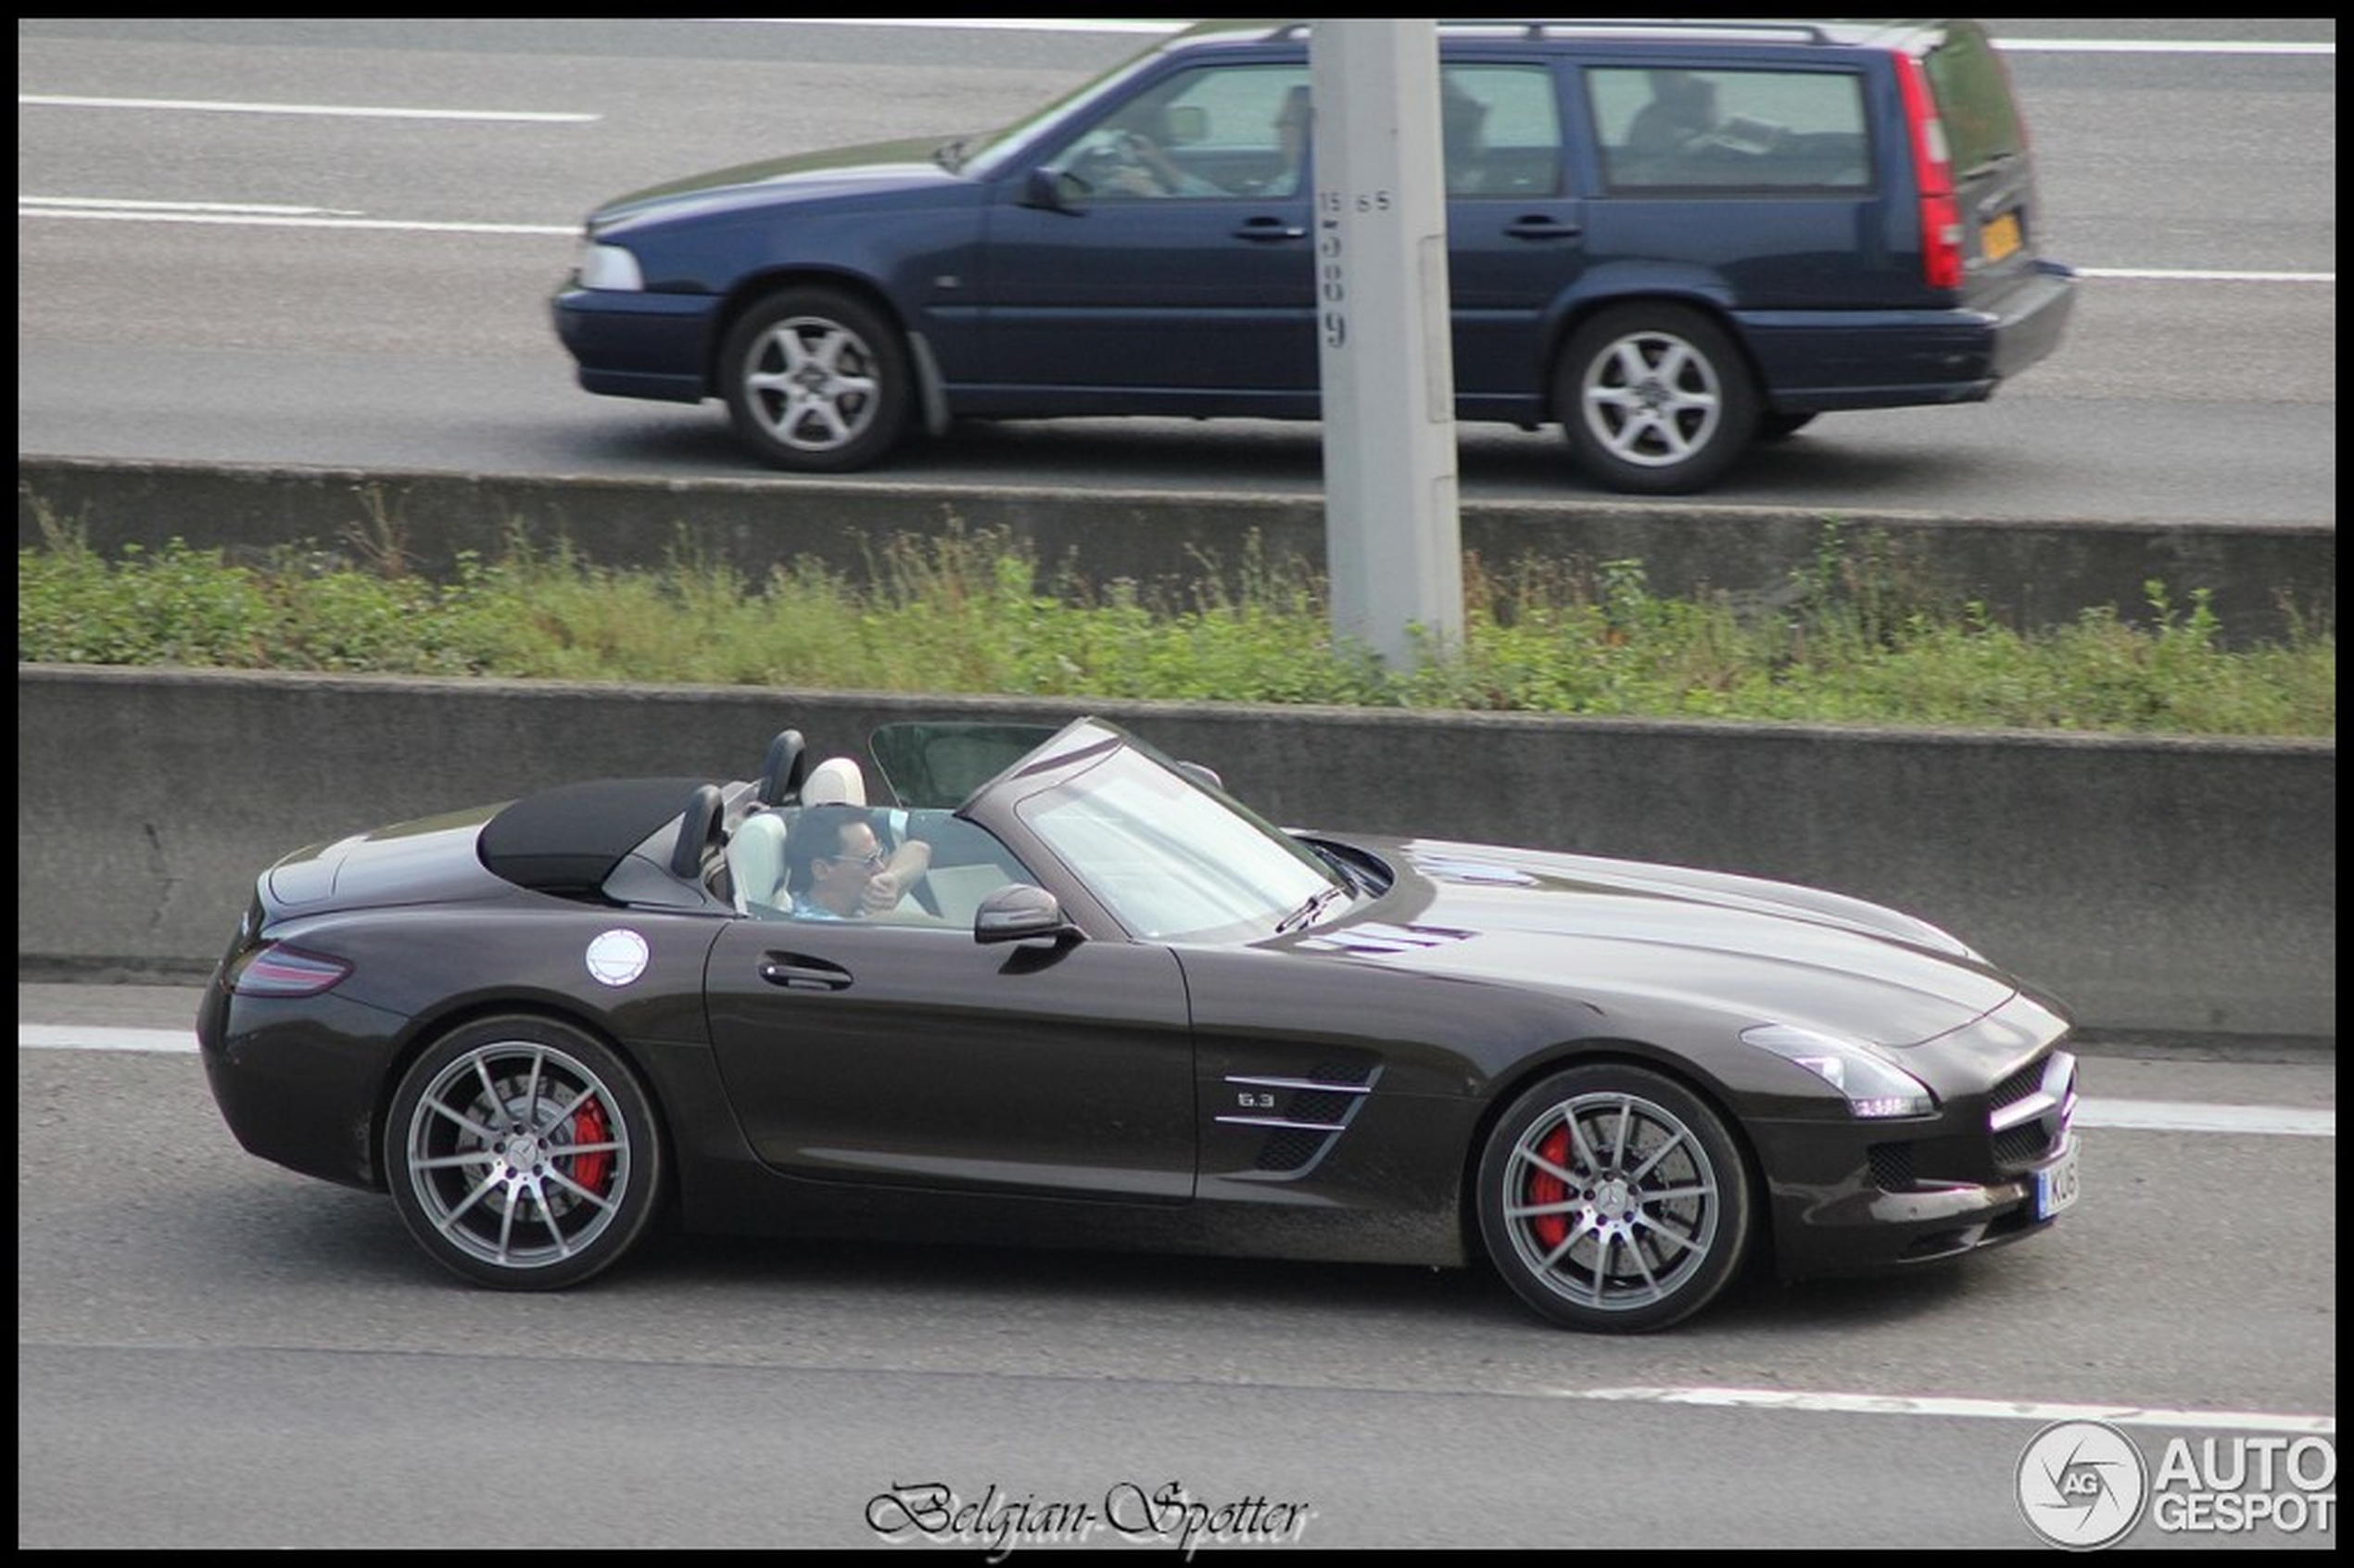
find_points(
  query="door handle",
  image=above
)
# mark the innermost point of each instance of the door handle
(1266, 231)
(796, 972)
(1540, 228)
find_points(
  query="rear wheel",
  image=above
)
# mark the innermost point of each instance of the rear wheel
(523, 1154)
(816, 381)
(1655, 399)
(1613, 1199)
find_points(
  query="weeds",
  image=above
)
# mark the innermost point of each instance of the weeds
(1855, 640)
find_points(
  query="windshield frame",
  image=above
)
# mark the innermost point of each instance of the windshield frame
(1166, 857)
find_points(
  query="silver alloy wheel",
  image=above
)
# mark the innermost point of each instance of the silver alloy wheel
(1651, 399)
(518, 1156)
(1612, 1202)
(811, 384)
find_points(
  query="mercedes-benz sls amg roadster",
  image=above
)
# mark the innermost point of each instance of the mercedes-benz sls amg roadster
(1105, 1003)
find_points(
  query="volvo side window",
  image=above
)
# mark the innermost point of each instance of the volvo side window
(1739, 131)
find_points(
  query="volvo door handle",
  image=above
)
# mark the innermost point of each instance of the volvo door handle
(1542, 229)
(797, 973)
(1266, 231)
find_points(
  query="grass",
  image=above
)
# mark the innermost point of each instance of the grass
(1849, 643)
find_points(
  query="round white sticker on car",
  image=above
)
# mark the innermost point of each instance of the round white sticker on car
(617, 956)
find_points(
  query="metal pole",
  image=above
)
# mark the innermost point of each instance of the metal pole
(1393, 533)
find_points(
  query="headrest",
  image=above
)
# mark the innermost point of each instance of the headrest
(837, 779)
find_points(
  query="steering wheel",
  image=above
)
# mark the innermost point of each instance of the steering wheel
(1115, 159)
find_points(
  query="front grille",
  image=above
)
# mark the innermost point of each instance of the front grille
(2030, 1110)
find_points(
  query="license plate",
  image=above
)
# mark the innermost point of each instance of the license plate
(2057, 1185)
(1999, 237)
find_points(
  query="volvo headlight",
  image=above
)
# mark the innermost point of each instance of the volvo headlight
(609, 266)
(1874, 1086)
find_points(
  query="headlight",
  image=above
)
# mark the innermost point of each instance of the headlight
(1874, 1086)
(609, 266)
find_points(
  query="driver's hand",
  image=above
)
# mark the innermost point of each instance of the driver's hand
(882, 892)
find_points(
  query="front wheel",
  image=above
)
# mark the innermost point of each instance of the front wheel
(1655, 399)
(816, 382)
(1612, 1199)
(523, 1154)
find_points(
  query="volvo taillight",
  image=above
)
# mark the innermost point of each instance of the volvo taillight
(1933, 177)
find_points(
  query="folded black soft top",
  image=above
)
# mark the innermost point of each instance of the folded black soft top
(569, 839)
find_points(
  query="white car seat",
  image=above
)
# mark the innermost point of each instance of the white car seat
(756, 861)
(837, 779)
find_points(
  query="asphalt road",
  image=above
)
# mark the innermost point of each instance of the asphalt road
(214, 1351)
(356, 290)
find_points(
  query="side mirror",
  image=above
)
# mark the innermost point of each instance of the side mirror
(1052, 190)
(1019, 911)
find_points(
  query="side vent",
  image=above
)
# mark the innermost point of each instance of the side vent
(1303, 1115)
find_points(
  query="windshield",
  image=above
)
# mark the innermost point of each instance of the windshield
(1172, 859)
(983, 156)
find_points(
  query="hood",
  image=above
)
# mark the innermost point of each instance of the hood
(877, 166)
(1596, 929)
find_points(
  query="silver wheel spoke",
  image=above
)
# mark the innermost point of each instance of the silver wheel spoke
(557, 1151)
(568, 1184)
(445, 1162)
(473, 1197)
(486, 1133)
(1670, 1146)
(548, 1217)
(1579, 1231)
(1667, 1233)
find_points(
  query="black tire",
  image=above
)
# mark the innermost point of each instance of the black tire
(524, 1154)
(1613, 1200)
(1782, 426)
(1655, 399)
(816, 382)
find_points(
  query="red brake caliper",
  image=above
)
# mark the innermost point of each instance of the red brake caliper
(589, 1126)
(1544, 1187)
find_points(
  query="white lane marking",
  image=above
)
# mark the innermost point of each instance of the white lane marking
(2130, 1115)
(256, 209)
(118, 214)
(2162, 46)
(1935, 1405)
(349, 111)
(2189, 274)
(71, 1037)
(2187, 1116)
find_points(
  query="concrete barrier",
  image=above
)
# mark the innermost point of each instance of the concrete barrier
(2162, 888)
(2260, 576)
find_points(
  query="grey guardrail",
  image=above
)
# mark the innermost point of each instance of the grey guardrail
(2160, 887)
(2260, 577)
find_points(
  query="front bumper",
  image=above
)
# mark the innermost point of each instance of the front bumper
(1864, 1197)
(635, 345)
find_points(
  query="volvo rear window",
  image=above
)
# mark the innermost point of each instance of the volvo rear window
(1973, 93)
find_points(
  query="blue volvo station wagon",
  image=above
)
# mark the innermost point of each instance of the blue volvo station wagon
(1670, 239)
